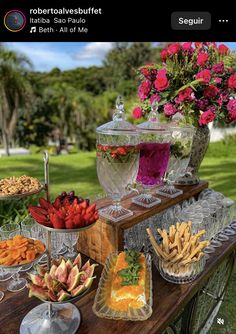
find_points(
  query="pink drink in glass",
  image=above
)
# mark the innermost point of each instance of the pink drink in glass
(153, 162)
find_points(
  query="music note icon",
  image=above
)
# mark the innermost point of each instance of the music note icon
(33, 29)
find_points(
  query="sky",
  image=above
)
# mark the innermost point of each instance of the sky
(66, 55)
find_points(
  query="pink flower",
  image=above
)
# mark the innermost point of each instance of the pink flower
(173, 48)
(232, 81)
(202, 58)
(223, 49)
(161, 83)
(187, 46)
(144, 89)
(218, 68)
(149, 73)
(202, 104)
(213, 44)
(137, 113)
(205, 75)
(164, 55)
(231, 106)
(186, 94)
(206, 117)
(218, 80)
(154, 97)
(169, 109)
(210, 91)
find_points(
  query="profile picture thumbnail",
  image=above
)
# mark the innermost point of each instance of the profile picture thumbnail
(14, 20)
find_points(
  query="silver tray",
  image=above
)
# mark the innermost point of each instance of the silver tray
(26, 264)
(19, 196)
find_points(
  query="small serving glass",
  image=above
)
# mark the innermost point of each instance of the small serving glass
(39, 233)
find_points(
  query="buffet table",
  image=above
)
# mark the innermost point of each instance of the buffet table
(171, 302)
(186, 308)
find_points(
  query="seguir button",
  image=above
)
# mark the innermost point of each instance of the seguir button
(191, 20)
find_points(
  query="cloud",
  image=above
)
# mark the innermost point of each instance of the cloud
(45, 56)
(94, 51)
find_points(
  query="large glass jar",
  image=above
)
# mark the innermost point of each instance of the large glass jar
(155, 142)
(181, 145)
(117, 161)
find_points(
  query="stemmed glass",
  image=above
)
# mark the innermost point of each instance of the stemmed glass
(26, 226)
(17, 283)
(70, 240)
(5, 231)
(39, 233)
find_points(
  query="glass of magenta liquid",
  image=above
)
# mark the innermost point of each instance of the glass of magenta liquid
(153, 162)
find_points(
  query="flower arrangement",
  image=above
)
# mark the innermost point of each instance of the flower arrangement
(195, 79)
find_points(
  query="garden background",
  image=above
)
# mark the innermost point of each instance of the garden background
(59, 110)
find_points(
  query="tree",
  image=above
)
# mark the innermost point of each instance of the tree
(15, 92)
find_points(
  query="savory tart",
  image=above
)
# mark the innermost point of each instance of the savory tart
(128, 281)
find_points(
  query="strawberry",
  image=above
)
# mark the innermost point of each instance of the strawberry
(57, 203)
(77, 220)
(57, 222)
(83, 205)
(44, 204)
(91, 208)
(69, 224)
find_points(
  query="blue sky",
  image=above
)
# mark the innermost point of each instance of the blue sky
(66, 55)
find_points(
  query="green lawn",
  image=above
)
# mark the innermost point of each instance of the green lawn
(78, 172)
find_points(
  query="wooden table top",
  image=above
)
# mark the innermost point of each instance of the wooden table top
(168, 301)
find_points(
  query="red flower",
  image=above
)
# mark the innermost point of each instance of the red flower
(198, 44)
(154, 97)
(218, 80)
(205, 75)
(232, 81)
(232, 115)
(144, 89)
(186, 94)
(164, 55)
(187, 46)
(161, 83)
(223, 49)
(169, 109)
(149, 73)
(206, 117)
(210, 91)
(137, 113)
(173, 48)
(202, 58)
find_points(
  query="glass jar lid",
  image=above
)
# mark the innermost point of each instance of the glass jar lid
(118, 125)
(153, 124)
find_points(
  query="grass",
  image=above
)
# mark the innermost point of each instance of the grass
(78, 172)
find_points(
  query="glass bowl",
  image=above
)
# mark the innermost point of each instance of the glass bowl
(178, 273)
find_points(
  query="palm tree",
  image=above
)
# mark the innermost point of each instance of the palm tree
(15, 92)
